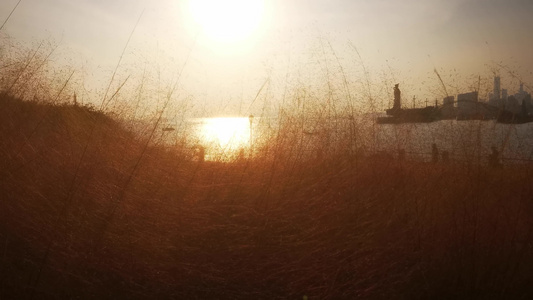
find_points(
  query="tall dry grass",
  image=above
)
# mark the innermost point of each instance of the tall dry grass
(91, 209)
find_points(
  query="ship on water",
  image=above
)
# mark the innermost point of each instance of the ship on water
(514, 109)
(410, 115)
(397, 114)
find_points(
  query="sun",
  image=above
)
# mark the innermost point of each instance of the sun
(227, 21)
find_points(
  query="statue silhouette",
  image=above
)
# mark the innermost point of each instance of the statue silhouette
(397, 98)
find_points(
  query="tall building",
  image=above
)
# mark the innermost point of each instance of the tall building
(448, 100)
(513, 105)
(466, 97)
(466, 104)
(496, 92)
(448, 109)
(521, 95)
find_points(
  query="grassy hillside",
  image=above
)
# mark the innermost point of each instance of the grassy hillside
(90, 211)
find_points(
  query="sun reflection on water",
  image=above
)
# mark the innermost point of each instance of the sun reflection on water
(225, 135)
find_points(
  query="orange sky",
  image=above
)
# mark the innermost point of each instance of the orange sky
(299, 44)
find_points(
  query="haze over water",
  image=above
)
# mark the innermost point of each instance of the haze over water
(229, 138)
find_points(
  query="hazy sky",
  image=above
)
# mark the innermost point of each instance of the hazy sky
(392, 40)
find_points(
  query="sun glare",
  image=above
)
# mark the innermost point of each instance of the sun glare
(227, 133)
(227, 21)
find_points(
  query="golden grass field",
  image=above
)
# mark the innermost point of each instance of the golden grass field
(89, 210)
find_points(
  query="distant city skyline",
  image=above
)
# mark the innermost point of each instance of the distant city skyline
(300, 44)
